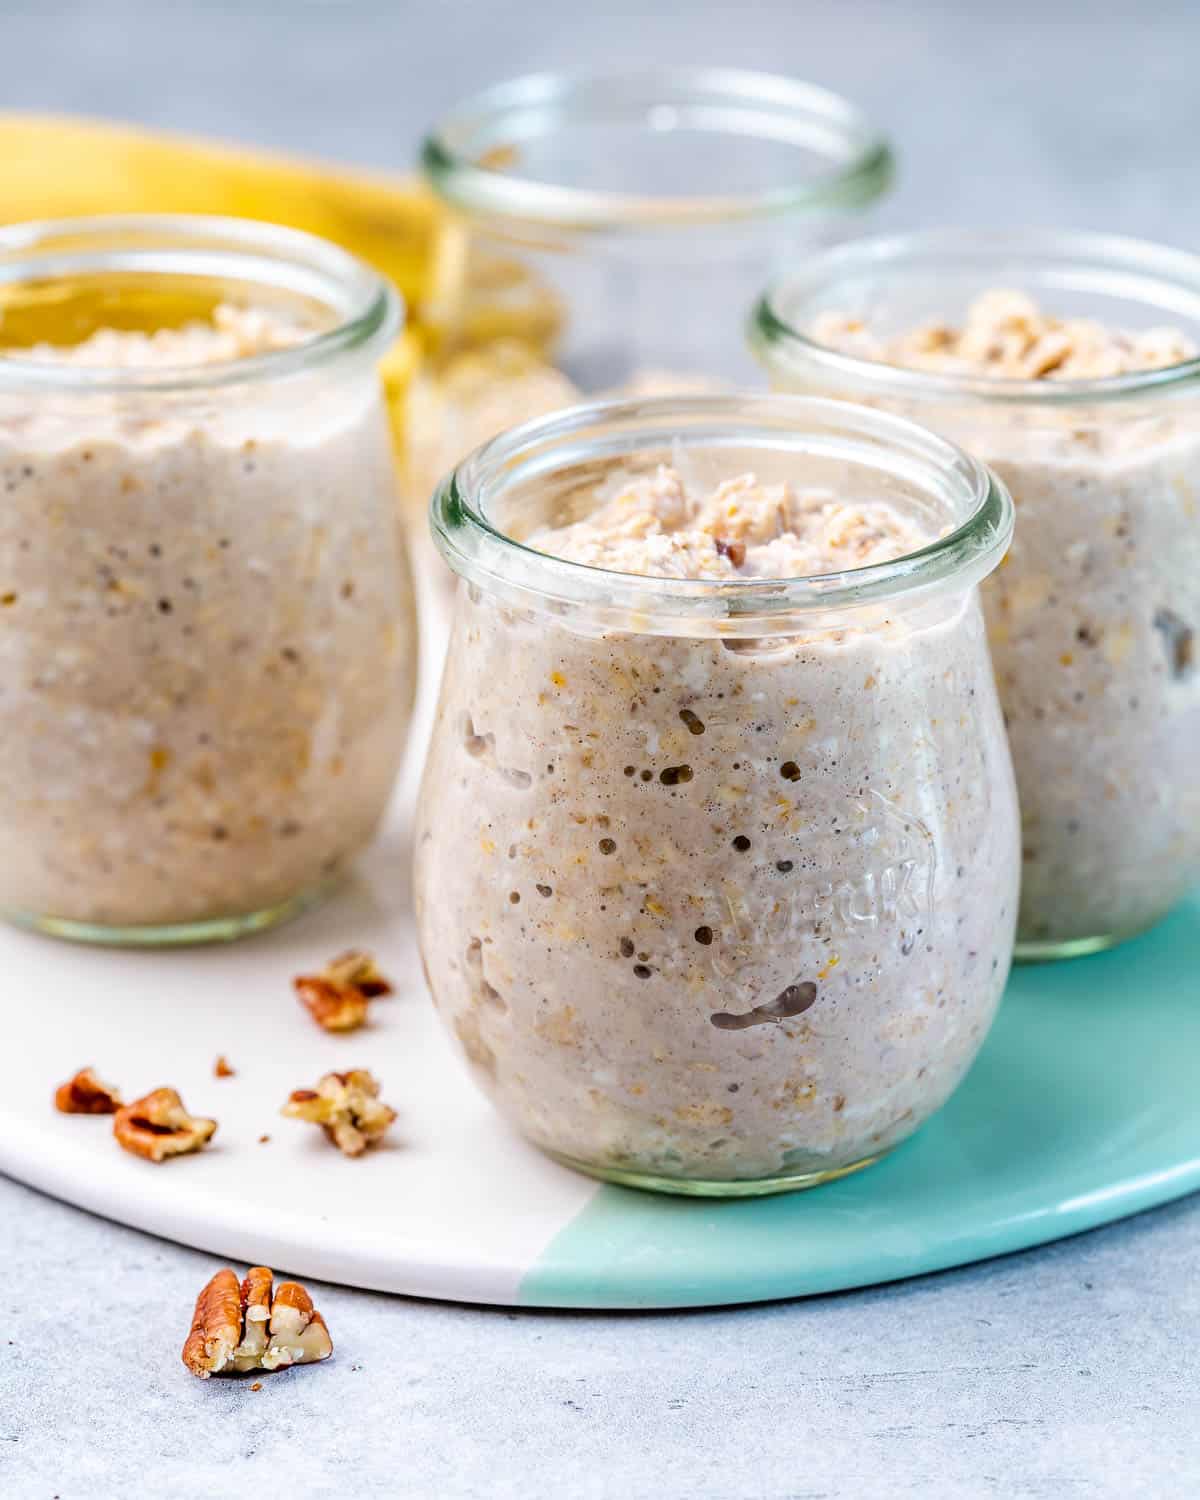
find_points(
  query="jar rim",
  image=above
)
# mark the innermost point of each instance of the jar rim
(537, 105)
(368, 309)
(481, 552)
(1161, 276)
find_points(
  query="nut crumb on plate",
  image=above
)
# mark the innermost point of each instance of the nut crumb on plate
(158, 1126)
(337, 997)
(253, 1326)
(347, 1108)
(222, 1068)
(85, 1094)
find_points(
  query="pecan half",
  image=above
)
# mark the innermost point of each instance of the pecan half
(253, 1326)
(159, 1126)
(337, 997)
(347, 1107)
(216, 1326)
(85, 1094)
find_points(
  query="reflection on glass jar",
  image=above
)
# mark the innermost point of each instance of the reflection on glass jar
(1069, 385)
(717, 875)
(606, 232)
(207, 642)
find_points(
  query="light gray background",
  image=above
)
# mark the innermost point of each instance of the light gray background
(1068, 1372)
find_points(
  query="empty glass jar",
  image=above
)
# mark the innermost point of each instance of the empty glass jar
(607, 230)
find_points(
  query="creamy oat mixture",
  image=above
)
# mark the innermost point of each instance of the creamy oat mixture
(719, 909)
(1093, 617)
(207, 647)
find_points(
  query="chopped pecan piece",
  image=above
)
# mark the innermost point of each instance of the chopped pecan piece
(347, 1108)
(159, 1126)
(337, 997)
(298, 1332)
(85, 1094)
(256, 1315)
(222, 1068)
(252, 1327)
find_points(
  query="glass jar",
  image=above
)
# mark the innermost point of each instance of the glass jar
(207, 641)
(1093, 617)
(716, 880)
(607, 229)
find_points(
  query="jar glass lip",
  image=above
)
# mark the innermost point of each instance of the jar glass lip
(368, 311)
(1154, 275)
(465, 154)
(480, 551)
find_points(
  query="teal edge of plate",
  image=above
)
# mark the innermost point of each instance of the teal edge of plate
(1083, 1106)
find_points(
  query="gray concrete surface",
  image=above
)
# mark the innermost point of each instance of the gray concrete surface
(1067, 1372)
(1063, 1373)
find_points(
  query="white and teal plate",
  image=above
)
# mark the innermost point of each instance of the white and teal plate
(1084, 1106)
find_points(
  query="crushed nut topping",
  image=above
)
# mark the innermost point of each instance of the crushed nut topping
(85, 1094)
(159, 1126)
(253, 1327)
(661, 524)
(1005, 333)
(337, 997)
(347, 1108)
(233, 333)
(222, 1068)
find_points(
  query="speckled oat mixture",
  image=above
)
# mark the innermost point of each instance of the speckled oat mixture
(207, 646)
(1093, 616)
(719, 909)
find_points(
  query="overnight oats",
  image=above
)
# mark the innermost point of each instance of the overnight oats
(207, 641)
(717, 847)
(1069, 364)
